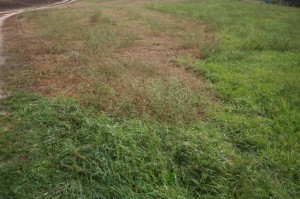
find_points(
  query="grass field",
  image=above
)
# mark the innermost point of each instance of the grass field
(110, 102)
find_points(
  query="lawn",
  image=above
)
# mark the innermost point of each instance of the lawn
(203, 103)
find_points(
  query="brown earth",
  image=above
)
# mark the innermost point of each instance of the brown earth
(13, 4)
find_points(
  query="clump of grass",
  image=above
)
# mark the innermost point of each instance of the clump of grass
(173, 102)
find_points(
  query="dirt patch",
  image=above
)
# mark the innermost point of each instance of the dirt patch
(14, 4)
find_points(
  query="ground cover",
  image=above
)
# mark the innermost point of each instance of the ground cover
(119, 104)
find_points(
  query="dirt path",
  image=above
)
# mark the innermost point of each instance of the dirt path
(6, 14)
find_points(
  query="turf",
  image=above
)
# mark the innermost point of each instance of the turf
(254, 66)
(246, 147)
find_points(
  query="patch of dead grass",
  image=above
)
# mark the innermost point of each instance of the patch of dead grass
(121, 63)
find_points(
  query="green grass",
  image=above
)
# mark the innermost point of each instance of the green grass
(55, 149)
(254, 67)
(247, 147)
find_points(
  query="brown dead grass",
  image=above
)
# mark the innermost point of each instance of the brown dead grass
(137, 77)
(161, 43)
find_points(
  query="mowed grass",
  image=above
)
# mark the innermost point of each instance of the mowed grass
(136, 131)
